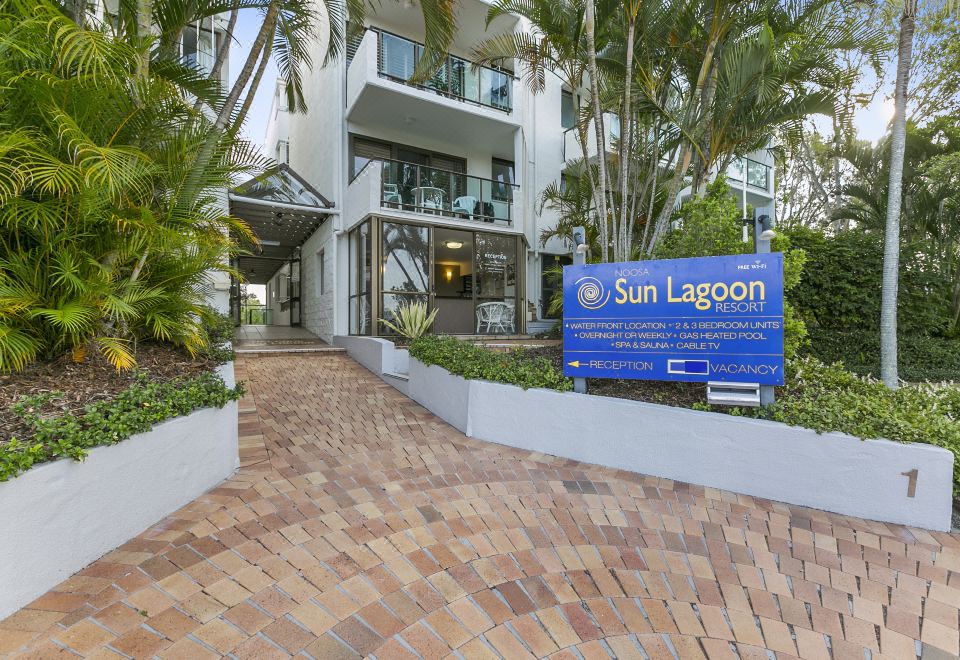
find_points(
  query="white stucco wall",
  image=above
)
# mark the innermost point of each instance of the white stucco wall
(58, 517)
(318, 308)
(831, 471)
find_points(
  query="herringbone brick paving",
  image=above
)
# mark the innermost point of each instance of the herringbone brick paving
(361, 525)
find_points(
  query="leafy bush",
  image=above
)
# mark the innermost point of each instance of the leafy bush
(712, 227)
(109, 225)
(474, 362)
(218, 329)
(135, 410)
(830, 398)
(921, 357)
(840, 288)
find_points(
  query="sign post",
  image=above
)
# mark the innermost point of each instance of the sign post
(579, 259)
(762, 234)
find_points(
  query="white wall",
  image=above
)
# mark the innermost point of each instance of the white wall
(275, 294)
(318, 308)
(60, 516)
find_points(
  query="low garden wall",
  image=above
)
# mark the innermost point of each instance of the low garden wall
(58, 517)
(831, 471)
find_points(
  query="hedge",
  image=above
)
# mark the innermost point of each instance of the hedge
(136, 409)
(474, 362)
(921, 357)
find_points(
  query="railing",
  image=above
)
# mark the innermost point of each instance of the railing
(758, 174)
(256, 315)
(422, 189)
(456, 78)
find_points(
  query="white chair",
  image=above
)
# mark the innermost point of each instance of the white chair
(391, 194)
(465, 205)
(495, 316)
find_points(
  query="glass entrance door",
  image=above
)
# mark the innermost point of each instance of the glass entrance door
(453, 281)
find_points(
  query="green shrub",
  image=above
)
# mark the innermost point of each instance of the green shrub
(474, 362)
(218, 328)
(135, 410)
(830, 398)
(921, 357)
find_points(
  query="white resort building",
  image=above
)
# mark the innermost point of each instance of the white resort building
(391, 192)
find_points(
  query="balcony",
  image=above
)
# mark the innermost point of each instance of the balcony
(757, 174)
(571, 147)
(428, 193)
(471, 109)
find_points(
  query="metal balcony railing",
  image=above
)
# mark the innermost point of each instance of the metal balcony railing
(456, 78)
(433, 191)
(758, 174)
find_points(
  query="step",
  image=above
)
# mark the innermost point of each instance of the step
(403, 377)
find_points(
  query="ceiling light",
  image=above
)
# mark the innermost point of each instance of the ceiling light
(454, 245)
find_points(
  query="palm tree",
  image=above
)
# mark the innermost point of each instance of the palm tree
(891, 242)
(106, 236)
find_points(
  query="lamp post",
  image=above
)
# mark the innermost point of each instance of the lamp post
(580, 259)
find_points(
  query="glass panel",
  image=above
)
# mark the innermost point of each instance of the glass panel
(363, 303)
(406, 257)
(551, 281)
(471, 83)
(392, 302)
(735, 170)
(495, 89)
(756, 174)
(453, 281)
(398, 57)
(502, 172)
(567, 113)
(361, 267)
(496, 266)
(439, 80)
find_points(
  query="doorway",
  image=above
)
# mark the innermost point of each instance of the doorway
(453, 271)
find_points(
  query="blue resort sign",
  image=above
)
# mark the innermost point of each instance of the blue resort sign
(704, 319)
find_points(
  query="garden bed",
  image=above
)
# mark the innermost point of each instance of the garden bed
(833, 441)
(150, 441)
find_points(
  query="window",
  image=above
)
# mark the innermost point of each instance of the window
(501, 172)
(282, 154)
(321, 272)
(568, 115)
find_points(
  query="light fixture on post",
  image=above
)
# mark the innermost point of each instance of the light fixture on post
(746, 229)
(765, 223)
(580, 240)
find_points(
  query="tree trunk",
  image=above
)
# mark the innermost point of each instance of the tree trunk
(266, 29)
(598, 126)
(225, 46)
(891, 244)
(255, 83)
(626, 135)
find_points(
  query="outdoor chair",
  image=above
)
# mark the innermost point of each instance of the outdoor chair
(465, 205)
(495, 317)
(391, 194)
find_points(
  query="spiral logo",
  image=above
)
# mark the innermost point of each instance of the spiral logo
(590, 293)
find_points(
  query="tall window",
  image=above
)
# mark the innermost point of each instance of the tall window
(321, 272)
(568, 115)
(405, 258)
(283, 152)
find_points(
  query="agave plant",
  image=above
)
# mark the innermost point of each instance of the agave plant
(108, 233)
(412, 320)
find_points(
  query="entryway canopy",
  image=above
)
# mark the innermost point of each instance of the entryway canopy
(283, 211)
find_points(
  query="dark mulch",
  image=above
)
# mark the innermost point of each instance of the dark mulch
(88, 382)
(681, 395)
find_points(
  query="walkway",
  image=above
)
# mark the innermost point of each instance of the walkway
(362, 525)
(268, 338)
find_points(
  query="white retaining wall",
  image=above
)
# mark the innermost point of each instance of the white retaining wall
(58, 517)
(379, 356)
(831, 471)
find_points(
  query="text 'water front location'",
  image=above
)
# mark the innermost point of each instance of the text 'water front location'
(707, 319)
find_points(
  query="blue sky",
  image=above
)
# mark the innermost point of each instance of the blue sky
(245, 32)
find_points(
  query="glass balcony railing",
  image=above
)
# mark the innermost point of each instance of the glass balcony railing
(456, 78)
(422, 189)
(758, 174)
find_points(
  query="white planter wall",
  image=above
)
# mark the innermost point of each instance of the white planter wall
(379, 356)
(832, 471)
(58, 517)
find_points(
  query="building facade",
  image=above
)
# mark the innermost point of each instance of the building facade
(434, 186)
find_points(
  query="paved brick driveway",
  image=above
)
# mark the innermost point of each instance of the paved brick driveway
(362, 525)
